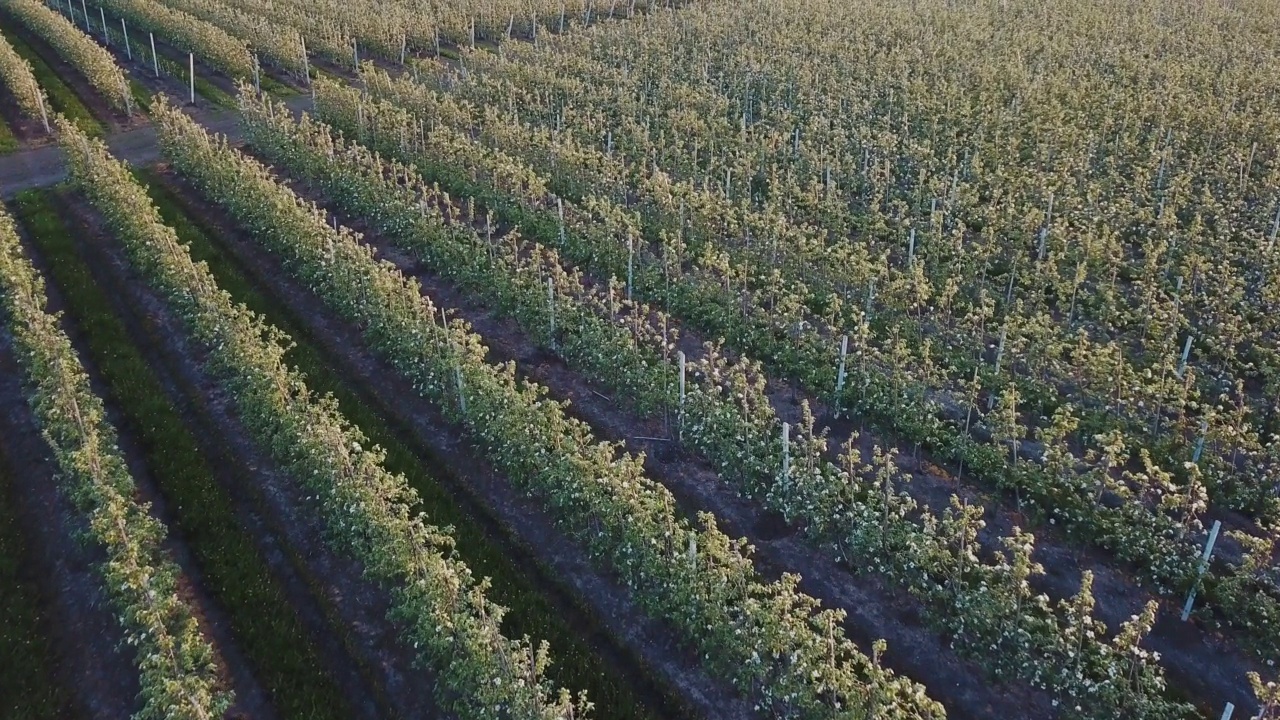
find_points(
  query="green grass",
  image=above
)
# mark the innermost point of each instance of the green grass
(530, 613)
(8, 143)
(63, 99)
(264, 624)
(29, 689)
(141, 96)
(277, 89)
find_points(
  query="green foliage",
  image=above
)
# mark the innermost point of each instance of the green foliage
(265, 626)
(178, 673)
(762, 636)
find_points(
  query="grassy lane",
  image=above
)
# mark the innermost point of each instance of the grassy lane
(29, 689)
(61, 96)
(8, 143)
(529, 612)
(264, 624)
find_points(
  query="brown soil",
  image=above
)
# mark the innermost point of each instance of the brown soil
(645, 650)
(27, 131)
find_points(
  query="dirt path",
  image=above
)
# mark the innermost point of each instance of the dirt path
(44, 166)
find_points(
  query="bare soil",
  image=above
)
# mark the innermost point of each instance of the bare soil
(28, 132)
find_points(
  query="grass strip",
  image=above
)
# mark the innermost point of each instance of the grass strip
(529, 612)
(63, 98)
(265, 626)
(29, 689)
(8, 142)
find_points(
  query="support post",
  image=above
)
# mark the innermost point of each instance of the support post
(1204, 429)
(1228, 711)
(786, 450)
(844, 353)
(560, 210)
(155, 59)
(257, 79)
(44, 113)
(911, 249)
(306, 66)
(106, 39)
(1204, 563)
(85, 9)
(680, 361)
(1275, 227)
(631, 259)
(1186, 353)
(124, 30)
(1004, 334)
(551, 306)
(191, 62)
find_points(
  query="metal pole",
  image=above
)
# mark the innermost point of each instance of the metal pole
(124, 29)
(155, 59)
(191, 59)
(680, 426)
(1204, 562)
(106, 39)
